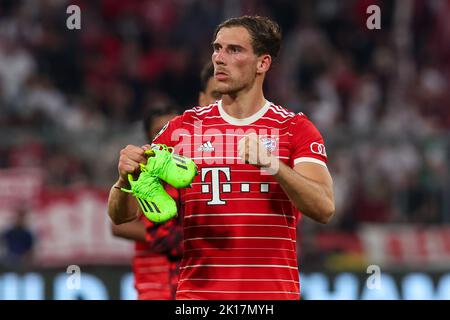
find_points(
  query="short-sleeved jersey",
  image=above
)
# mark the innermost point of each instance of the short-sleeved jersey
(239, 225)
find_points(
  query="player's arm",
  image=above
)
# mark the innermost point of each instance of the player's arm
(160, 238)
(309, 185)
(121, 206)
(310, 188)
(134, 230)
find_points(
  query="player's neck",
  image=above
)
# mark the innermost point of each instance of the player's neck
(243, 105)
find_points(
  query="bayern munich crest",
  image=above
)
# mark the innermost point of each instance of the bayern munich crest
(270, 143)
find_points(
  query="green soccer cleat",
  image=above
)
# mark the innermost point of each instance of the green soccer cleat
(176, 170)
(155, 203)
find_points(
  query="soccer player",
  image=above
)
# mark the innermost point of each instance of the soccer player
(260, 165)
(208, 92)
(158, 252)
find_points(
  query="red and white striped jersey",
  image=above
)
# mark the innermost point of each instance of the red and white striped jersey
(239, 225)
(151, 274)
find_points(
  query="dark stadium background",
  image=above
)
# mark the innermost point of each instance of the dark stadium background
(71, 99)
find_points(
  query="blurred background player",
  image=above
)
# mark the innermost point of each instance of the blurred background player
(158, 250)
(208, 92)
(154, 273)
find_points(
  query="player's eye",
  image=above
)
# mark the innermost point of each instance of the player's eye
(235, 49)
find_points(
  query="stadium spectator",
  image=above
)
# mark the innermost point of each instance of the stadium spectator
(18, 243)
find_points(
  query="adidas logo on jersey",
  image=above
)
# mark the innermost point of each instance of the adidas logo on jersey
(207, 146)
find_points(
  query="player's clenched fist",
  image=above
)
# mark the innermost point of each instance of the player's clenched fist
(129, 160)
(251, 150)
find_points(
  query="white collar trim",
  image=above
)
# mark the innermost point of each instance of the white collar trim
(245, 121)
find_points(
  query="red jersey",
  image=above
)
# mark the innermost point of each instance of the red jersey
(239, 225)
(151, 274)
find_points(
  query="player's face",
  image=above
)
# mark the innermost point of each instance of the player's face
(158, 123)
(234, 60)
(210, 95)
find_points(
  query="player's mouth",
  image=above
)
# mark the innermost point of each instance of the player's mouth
(221, 76)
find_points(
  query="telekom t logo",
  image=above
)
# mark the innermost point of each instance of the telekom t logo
(215, 183)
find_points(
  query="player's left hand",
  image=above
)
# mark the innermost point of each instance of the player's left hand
(252, 151)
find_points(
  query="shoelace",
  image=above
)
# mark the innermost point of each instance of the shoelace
(164, 147)
(145, 186)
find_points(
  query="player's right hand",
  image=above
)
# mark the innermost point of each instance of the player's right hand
(130, 158)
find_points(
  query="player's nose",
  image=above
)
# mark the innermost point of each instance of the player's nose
(218, 58)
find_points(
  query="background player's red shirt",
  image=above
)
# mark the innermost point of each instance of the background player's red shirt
(151, 274)
(156, 262)
(239, 225)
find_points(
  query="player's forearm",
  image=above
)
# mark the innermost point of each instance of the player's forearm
(120, 209)
(312, 198)
(134, 230)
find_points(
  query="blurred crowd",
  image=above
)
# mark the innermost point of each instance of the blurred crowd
(70, 99)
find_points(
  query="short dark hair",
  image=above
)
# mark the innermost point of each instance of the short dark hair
(206, 73)
(150, 115)
(265, 33)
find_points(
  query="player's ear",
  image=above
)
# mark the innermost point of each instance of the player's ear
(264, 63)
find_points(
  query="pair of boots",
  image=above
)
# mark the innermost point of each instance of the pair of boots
(162, 164)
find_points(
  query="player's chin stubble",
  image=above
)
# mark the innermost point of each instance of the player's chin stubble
(229, 88)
